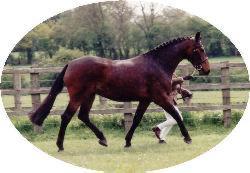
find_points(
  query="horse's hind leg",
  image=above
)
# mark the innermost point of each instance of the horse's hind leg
(84, 117)
(65, 119)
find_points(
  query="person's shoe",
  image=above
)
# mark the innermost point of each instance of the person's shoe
(162, 141)
(157, 131)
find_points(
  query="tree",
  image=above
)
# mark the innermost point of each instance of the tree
(118, 30)
(39, 39)
(26, 45)
(147, 24)
(121, 15)
(43, 38)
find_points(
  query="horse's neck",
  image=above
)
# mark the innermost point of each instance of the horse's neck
(169, 60)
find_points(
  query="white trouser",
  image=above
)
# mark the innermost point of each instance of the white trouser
(168, 124)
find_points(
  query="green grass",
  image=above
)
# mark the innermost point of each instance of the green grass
(82, 148)
(145, 154)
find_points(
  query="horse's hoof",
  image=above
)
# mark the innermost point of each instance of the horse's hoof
(59, 146)
(103, 142)
(127, 145)
(37, 128)
(188, 140)
(60, 149)
(162, 141)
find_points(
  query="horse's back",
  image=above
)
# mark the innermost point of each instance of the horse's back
(93, 67)
(89, 61)
(85, 69)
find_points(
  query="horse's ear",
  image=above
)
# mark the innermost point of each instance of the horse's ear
(198, 36)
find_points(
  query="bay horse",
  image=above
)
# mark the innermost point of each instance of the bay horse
(145, 78)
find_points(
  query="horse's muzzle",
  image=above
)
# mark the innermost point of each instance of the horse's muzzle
(203, 72)
(204, 67)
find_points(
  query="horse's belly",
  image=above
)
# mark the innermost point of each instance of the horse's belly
(119, 98)
(122, 94)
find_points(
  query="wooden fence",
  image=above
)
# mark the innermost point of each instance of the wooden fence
(127, 108)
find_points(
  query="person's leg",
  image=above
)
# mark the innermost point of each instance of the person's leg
(158, 128)
(169, 121)
(165, 131)
(162, 129)
(166, 126)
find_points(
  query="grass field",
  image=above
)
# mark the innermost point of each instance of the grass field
(145, 154)
(82, 148)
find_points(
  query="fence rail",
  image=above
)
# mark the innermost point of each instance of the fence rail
(127, 108)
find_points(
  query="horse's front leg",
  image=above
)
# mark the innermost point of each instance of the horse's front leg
(142, 107)
(167, 105)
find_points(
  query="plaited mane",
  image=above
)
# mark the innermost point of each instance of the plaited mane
(166, 44)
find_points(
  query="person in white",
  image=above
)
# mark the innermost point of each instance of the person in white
(162, 129)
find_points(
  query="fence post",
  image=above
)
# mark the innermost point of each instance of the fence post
(185, 72)
(17, 82)
(225, 80)
(35, 97)
(128, 116)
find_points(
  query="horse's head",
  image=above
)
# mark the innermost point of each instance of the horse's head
(197, 55)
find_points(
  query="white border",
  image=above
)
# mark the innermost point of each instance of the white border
(18, 17)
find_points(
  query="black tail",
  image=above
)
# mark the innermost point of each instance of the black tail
(43, 110)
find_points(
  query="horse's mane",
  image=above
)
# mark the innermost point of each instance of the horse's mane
(167, 44)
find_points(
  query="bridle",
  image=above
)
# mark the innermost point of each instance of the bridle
(199, 66)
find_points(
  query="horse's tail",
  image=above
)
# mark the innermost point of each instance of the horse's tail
(43, 110)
